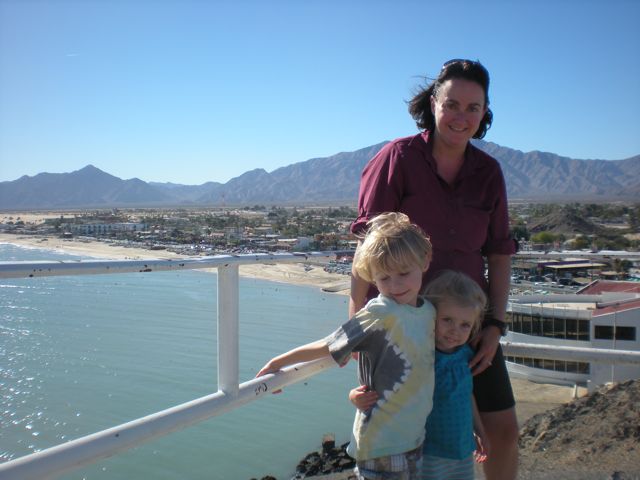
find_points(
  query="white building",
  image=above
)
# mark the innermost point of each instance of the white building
(296, 244)
(104, 228)
(604, 314)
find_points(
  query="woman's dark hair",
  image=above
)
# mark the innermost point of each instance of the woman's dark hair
(420, 105)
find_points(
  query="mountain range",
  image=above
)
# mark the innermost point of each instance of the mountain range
(531, 176)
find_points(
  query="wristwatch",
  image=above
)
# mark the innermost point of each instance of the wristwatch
(502, 326)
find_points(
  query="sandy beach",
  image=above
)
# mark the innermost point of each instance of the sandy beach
(294, 273)
(532, 398)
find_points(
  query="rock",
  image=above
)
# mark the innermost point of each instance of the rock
(328, 460)
(328, 443)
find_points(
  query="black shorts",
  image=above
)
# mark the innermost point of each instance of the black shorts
(492, 388)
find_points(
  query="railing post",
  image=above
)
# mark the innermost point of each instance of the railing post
(228, 330)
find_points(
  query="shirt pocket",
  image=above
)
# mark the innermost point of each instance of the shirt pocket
(473, 227)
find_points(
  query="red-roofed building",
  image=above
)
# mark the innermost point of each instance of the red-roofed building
(610, 286)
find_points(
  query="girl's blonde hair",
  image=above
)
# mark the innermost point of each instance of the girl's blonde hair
(392, 243)
(459, 289)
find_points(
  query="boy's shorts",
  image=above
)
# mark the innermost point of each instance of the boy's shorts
(402, 466)
(492, 388)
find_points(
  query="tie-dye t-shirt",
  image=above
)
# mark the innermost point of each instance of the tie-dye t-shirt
(396, 346)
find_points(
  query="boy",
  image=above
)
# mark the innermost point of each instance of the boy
(394, 335)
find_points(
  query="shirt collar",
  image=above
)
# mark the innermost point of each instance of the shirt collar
(471, 161)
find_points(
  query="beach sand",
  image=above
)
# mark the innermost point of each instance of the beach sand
(85, 247)
(294, 273)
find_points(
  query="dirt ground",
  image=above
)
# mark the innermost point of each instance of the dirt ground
(593, 437)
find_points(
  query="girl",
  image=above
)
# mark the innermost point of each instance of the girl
(450, 445)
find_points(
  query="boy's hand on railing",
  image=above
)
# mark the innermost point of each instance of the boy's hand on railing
(363, 398)
(270, 367)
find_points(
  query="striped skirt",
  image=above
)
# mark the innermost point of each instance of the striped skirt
(439, 468)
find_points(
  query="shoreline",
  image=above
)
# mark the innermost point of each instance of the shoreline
(291, 273)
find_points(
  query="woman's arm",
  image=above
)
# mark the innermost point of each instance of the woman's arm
(499, 284)
(487, 340)
(381, 190)
(358, 293)
(305, 353)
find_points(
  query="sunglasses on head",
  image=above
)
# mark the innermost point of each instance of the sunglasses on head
(458, 60)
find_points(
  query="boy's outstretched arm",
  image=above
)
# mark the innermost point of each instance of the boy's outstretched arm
(305, 353)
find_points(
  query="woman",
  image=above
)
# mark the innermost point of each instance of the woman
(456, 193)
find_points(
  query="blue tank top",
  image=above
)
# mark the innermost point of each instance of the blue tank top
(449, 427)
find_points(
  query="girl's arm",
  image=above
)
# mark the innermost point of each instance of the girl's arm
(305, 353)
(482, 441)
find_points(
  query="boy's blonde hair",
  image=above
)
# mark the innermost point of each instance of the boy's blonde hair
(459, 289)
(392, 243)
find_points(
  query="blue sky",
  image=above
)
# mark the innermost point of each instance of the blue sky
(196, 91)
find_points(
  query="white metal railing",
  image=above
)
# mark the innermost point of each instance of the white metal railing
(92, 267)
(55, 461)
(558, 352)
(576, 253)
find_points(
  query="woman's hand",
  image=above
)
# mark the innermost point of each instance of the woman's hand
(485, 343)
(363, 398)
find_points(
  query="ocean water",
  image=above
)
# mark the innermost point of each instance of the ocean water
(81, 354)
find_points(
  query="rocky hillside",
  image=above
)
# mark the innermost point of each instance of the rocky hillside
(543, 174)
(567, 223)
(593, 437)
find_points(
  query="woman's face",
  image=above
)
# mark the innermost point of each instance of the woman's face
(458, 108)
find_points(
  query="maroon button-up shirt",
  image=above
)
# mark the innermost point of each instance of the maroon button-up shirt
(465, 221)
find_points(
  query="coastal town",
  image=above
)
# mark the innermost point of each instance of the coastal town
(197, 231)
(259, 228)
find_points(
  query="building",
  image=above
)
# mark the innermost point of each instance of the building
(104, 228)
(604, 314)
(293, 244)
